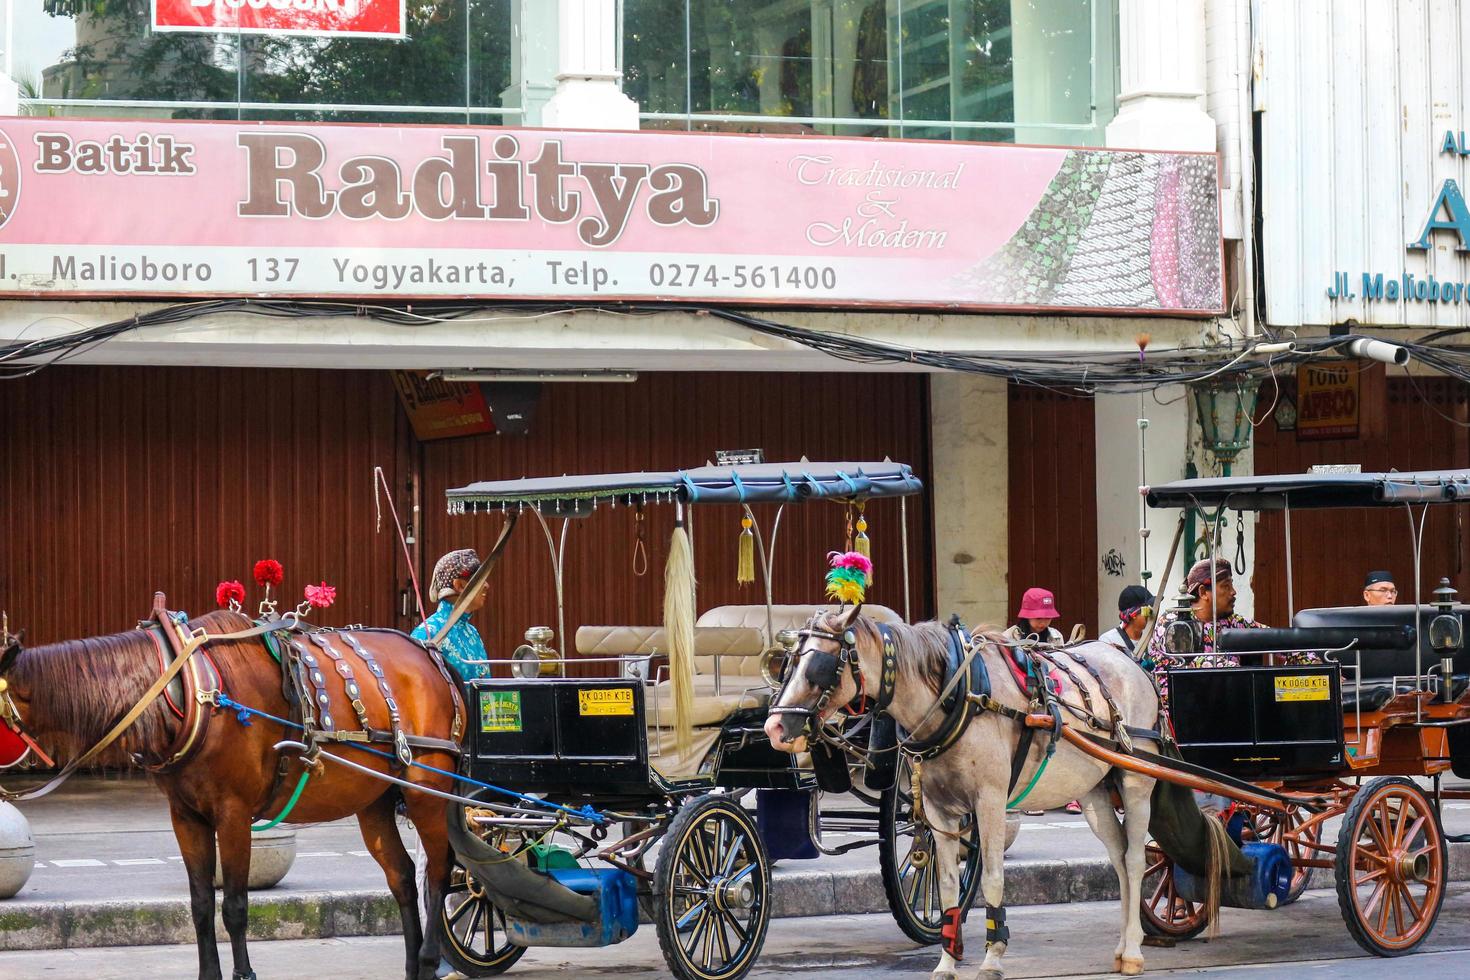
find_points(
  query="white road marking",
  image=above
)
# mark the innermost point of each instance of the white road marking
(133, 862)
(359, 854)
(79, 863)
(319, 854)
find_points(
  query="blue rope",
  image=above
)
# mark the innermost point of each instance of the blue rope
(243, 714)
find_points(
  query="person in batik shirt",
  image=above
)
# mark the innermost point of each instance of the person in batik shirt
(1213, 604)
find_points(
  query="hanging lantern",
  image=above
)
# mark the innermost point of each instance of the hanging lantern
(1225, 406)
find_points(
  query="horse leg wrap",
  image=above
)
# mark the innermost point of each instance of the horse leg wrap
(950, 931)
(995, 925)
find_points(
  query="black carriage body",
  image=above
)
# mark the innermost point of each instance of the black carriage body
(572, 738)
(1259, 721)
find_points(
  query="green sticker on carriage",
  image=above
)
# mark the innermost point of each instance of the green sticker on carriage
(500, 711)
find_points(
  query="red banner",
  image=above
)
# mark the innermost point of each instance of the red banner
(358, 18)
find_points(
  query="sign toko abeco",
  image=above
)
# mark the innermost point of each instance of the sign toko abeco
(356, 18)
(187, 208)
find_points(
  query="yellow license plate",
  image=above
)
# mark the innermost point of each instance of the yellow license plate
(1309, 687)
(605, 701)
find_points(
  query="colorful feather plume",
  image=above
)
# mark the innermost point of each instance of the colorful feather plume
(848, 580)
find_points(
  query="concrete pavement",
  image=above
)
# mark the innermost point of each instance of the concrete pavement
(110, 875)
(1304, 939)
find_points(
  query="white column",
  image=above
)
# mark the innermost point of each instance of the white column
(533, 59)
(9, 96)
(970, 483)
(1123, 553)
(588, 95)
(1161, 102)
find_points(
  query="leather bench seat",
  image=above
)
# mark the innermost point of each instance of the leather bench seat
(737, 635)
(1374, 693)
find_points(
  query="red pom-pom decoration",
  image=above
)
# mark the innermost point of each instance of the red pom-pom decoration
(321, 596)
(227, 592)
(268, 572)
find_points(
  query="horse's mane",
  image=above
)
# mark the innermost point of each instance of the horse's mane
(80, 688)
(922, 650)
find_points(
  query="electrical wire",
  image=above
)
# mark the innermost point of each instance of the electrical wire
(1067, 372)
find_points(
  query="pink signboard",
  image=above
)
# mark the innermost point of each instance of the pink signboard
(183, 208)
(357, 18)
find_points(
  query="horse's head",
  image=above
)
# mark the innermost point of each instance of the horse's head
(821, 677)
(14, 742)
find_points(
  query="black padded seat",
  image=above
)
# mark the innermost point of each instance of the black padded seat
(1372, 695)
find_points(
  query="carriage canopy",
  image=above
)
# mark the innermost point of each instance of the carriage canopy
(1303, 491)
(754, 483)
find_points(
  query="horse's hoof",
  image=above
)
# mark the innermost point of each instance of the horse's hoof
(1130, 967)
(1117, 962)
(992, 974)
(944, 975)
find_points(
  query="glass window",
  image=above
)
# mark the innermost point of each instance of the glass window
(90, 57)
(1033, 70)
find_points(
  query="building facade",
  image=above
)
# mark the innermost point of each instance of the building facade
(180, 450)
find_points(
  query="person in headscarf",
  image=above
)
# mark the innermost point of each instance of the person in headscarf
(462, 646)
(1135, 606)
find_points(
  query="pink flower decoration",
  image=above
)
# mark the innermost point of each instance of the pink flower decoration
(851, 559)
(321, 596)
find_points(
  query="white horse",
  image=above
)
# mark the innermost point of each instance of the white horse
(841, 656)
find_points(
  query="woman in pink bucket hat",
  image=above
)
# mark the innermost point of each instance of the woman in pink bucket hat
(1033, 621)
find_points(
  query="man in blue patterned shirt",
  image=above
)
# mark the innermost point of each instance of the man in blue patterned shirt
(462, 646)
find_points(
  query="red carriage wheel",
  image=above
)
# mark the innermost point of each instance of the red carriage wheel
(1391, 865)
(1165, 911)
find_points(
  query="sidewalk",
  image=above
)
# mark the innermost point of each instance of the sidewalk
(108, 874)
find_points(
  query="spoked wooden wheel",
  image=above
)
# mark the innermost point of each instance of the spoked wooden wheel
(475, 943)
(906, 860)
(712, 889)
(1165, 911)
(1391, 864)
(1273, 828)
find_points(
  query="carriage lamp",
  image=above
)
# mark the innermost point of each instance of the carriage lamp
(1224, 406)
(772, 672)
(1446, 634)
(535, 657)
(1184, 637)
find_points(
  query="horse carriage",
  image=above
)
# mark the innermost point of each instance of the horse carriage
(653, 785)
(1381, 708)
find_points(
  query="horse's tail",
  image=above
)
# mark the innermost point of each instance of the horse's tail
(1219, 867)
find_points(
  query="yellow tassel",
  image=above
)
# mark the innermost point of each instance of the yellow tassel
(745, 565)
(679, 627)
(861, 544)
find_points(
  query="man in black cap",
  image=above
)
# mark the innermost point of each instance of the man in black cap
(1379, 589)
(1135, 607)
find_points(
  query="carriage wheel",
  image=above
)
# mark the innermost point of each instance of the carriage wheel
(1165, 911)
(905, 857)
(1391, 865)
(1272, 828)
(712, 886)
(475, 943)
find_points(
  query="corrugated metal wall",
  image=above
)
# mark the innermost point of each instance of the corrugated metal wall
(1356, 96)
(117, 482)
(1053, 493)
(1333, 550)
(679, 420)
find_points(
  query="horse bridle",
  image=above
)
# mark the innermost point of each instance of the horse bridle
(824, 670)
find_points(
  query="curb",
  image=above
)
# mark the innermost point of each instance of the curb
(39, 925)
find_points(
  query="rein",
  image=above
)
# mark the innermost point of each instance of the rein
(192, 642)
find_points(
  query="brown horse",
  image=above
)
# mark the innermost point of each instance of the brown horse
(69, 694)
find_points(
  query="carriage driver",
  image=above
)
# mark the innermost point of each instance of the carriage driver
(462, 645)
(1135, 606)
(1212, 604)
(1380, 590)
